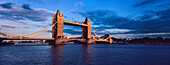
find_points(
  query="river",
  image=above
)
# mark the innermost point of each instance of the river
(78, 54)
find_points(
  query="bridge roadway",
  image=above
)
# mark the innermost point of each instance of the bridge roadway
(84, 40)
(69, 40)
(37, 39)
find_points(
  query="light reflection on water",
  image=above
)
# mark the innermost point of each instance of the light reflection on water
(77, 54)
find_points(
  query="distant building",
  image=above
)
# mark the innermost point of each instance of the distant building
(128, 39)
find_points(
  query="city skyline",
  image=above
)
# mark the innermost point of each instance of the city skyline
(122, 19)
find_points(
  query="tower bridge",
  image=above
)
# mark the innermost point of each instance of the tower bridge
(58, 28)
(57, 32)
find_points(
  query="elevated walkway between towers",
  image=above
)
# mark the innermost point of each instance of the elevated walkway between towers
(75, 23)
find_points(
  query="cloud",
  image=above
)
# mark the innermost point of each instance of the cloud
(95, 26)
(37, 1)
(0, 28)
(105, 18)
(68, 28)
(22, 14)
(146, 2)
(79, 4)
(164, 5)
(14, 20)
(77, 30)
(12, 26)
(147, 22)
(26, 6)
(6, 5)
(38, 25)
(72, 10)
(101, 25)
(23, 22)
(147, 17)
(116, 30)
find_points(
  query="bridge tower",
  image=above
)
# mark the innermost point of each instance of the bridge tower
(57, 30)
(86, 31)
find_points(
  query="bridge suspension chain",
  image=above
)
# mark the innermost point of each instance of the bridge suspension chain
(41, 31)
(31, 35)
(8, 34)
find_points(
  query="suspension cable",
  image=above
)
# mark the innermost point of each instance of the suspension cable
(33, 34)
(41, 31)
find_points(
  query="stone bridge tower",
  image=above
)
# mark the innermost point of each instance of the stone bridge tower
(86, 31)
(57, 31)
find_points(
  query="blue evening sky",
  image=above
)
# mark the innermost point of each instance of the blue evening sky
(119, 18)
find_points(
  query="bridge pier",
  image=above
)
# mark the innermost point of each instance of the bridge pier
(60, 41)
(90, 41)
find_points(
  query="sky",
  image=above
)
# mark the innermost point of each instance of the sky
(119, 18)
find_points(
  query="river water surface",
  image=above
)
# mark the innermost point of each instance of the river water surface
(78, 54)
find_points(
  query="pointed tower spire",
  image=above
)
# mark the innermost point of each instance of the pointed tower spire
(86, 19)
(58, 12)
